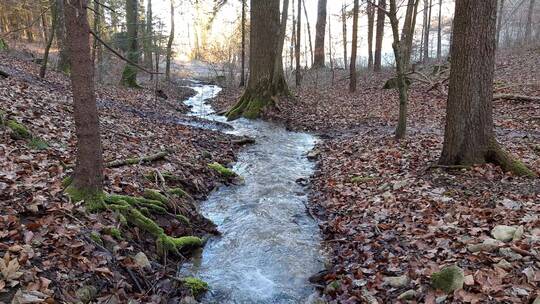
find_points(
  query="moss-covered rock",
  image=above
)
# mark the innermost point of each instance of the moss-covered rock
(86, 294)
(195, 285)
(19, 131)
(222, 170)
(448, 279)
(93, 200)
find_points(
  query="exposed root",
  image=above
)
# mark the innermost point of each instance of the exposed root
(507, 162)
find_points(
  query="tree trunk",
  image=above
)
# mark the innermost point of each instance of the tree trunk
(344, 23)
(407, 32)
(371, 22)
(148, 39)
(320, 31)
(63, 56)
(379, 36)
(528, 27)
(169, 46)
(129, 75)
(499, 20)
(469, 135)
(298, 44)
(439, 33)
(263, 87)
(308, 32)
(330, 44)
(243, 55)
(279, 74)
(50, 38)
(88, 174)
(427, 16)
(354, 47)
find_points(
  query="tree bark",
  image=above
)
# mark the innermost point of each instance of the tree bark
(279, 76)
(320, 31)
(308, 27)
(377, 64)
(439, 33)
(88, 174)
(354, 47)
(298, 43)
(169, 46)
(469, 133)
(371, 22)
(499, 20)
(243, 54)
(263, 87)
(50, 38)
(427, 16)
(129, 75)
(63, 56)
(344, 24)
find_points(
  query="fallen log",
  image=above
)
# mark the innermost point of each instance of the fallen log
(516, 97)
(137, 160)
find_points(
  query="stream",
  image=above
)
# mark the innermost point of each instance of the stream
(269, 245)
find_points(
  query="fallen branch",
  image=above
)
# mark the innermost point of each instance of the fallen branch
(516, 97)
(138, 160)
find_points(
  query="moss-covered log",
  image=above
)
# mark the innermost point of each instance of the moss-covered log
(222, 170)
(19, 131)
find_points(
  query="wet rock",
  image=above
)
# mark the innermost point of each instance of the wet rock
(504, 233)
(397, 282)
(448, 279)
(302, 181)
(487, 245)
(510, 254)
(407, 295)
(142, 260)
(313, 154)
(504, 264)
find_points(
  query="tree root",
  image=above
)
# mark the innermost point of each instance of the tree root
(249, 106)
(508, 163)
(137, 160)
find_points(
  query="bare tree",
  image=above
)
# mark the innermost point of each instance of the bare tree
(344, 24)
(354, 47)
(88, 176)
(129, 75)
(469, 134)
(427, 20)
(243, 55)
(63, 56)
(297, 46)
(439, 34)
(499, 20)
(528, 27)
(379, 35)
(169, 46)
(371, 22)
(320, 31)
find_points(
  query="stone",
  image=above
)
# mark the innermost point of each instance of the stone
(518, 234)
(537, 300)
(407, 295)
(86, 293)
(142, 260)
(510, 204)
(504, 264)
(503, 233)
(488, 245)
(397, 282)
(448, 279)
(510, 254)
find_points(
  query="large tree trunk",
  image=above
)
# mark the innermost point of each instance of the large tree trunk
(243, 54)
(148, 39)
(263, 87)
(169, 46)
(129, 75)
(439, 33)
(354, 47)
(371, 22)
(320, 32)
(528, 27)
(499, 20)
(308, 27)
(88, 175)
(298, 44)
(63, 56)
(469, 134)
(379, 36)
(50, 38)
(344, 24)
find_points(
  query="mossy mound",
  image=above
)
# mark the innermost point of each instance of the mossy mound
(448, 279)
(222, 170)
(195, 285)
(19, 131)
(93, 200)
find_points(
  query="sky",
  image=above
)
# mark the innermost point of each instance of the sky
(230, 13)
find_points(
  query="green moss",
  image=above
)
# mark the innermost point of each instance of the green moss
(93, 200)
(183, 219)
(38, 144)
(94, 236)
(3, 45)
(122, 219)
(114, 232)
(129, 77)
(154, 205)
(361, 179)
(195, 285)
(178, 192)
(67, 181)
(448, 279)
(254, 108)
(223, 171)
(2, 118)
(19, 131)
(153, 194)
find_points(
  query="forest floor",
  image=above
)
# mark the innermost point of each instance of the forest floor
(52, 249)
(387, 211)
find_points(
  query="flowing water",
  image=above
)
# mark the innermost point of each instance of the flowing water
(269, 244)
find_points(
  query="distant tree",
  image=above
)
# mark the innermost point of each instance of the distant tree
(169, 46)
(88, 175)
(320, 31)
(243, 55)
(469, 134)
(263, 87)
(308, 36)
(129, 75)
(63, 58)
(500, 14)
(354, 47)
(50, 38)
(379, 35)
(344, 25)
(528, 27)
(371, 23)
(279, 73)
(298, 42)
(148, 37)
(427, 27)
(439, 33)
